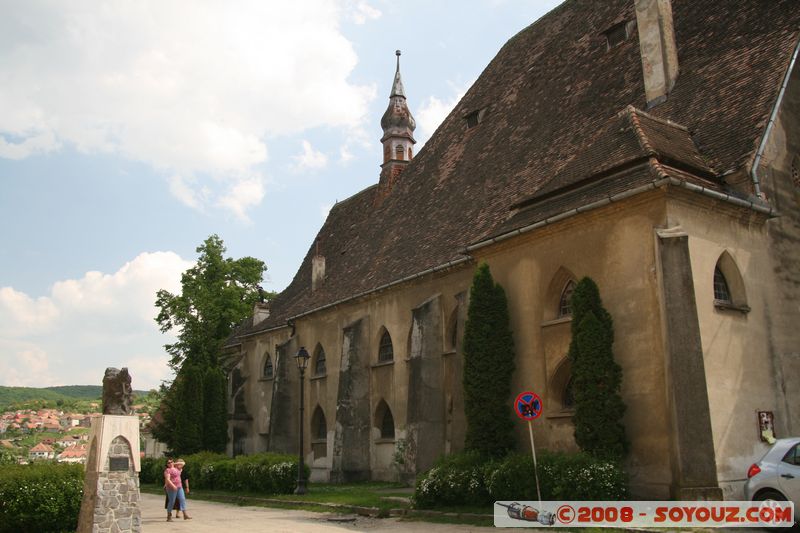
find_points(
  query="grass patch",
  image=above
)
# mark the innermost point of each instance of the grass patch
(371, 495)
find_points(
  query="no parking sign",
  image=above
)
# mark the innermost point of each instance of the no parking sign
(528, 405)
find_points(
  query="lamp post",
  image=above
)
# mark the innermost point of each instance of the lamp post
(302, 358)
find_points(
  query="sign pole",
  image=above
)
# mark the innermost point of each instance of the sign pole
(535, 468)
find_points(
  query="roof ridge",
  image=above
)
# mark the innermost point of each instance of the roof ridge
(641, 136)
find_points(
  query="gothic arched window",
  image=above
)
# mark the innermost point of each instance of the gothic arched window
(722, 293)
(385, 350)
(564, 303)
(269, 370)
(319, 361)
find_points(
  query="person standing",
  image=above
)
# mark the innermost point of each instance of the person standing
(179, 464)
(172, 482)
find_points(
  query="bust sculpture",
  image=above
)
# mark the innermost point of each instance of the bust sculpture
(117, 392)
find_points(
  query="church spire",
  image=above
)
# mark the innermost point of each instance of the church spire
(397, 87)
(398, 131)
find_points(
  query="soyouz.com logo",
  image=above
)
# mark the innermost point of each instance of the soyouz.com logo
(643, 514)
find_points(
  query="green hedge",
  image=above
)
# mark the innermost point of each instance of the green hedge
(466, 479)
(266, 473)
(42, 497)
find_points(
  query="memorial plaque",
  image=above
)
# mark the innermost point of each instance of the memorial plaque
(118, 464)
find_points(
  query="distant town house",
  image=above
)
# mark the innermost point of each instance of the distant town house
(73, 454)
(41, 451)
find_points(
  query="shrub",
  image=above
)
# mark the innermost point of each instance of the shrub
(266, 473)
(40, 497)
(466, 479)
(562, 476)
(457, 479)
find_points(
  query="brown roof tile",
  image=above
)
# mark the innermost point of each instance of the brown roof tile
(552, 96)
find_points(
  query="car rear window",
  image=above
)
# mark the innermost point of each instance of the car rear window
(793, 455)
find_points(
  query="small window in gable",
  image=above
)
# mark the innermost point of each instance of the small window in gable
(474, 118)
(269, 371)
(385, 350)
(564, 303)
(721, 292)
(319, 362)
(618, 34)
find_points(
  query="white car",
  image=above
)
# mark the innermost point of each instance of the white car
(777, 475)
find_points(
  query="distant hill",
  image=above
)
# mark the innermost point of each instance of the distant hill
(17, 395)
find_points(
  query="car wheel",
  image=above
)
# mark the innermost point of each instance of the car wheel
(771, 496)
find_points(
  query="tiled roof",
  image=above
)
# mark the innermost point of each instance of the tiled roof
(560, 113)
(41, 448)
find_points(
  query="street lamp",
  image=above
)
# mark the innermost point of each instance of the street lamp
(302, 358)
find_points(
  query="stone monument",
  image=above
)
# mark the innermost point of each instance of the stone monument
(111, 486)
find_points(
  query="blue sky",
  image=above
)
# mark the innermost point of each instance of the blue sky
(130, 131)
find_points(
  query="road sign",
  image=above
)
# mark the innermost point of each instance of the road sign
(528, 405)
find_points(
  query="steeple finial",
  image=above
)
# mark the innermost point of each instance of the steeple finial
(397, 86)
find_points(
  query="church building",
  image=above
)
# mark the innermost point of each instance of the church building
(652, 145)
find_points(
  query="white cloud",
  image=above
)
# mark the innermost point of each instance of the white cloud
(192, 89)
(361, 11)
(85, 325)
(243, 195)
(310, 159)
(432, 112)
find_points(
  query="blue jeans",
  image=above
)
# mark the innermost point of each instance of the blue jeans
(172, 494)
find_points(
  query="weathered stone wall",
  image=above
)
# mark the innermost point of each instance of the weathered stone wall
(351, 441)
(694, 469)
(111, 498)
(425, 419)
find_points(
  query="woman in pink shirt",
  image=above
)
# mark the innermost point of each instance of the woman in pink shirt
(172, 484)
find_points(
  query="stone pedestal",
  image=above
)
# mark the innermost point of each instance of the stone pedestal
(111, 486)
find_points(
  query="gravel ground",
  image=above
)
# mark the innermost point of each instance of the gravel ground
(208, 517)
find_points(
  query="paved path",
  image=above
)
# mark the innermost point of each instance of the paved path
(208, 517)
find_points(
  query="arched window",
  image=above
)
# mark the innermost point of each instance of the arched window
(722, 293)
(319, 427)
(452, 325)
(729, 289)
(319, 361)
(400, 151)
(384, 420)
(269, 371)
(564, 303)
(568, 398)
(319, 434)
(385, 349)
(409, 153)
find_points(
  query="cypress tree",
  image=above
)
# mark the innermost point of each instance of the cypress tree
(189, 421)
(214, 406)
(488, 368)
(597, 378)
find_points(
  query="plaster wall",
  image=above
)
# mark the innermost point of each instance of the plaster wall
(614, 246)
(736, 342)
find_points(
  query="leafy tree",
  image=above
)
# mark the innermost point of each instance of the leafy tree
(216, 294)
(597, 378)
(488, 368)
